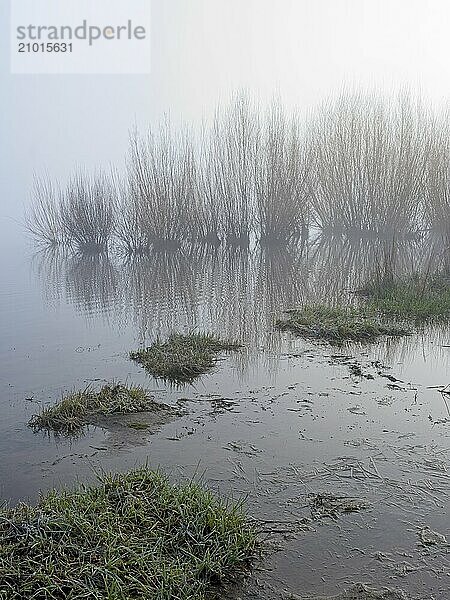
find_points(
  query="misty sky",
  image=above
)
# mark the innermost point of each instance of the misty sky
(202, 50)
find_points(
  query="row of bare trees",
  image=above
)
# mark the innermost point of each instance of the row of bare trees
(359, 164)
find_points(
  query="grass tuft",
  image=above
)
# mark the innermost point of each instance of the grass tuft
(135, 535)
(182, 358)
(418, 298)
(337, 325)
(74, 411)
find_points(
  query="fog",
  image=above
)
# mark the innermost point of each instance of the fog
(202, 51)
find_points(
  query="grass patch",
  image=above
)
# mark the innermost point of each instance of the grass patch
(134, 535)
(182, 358)
(417, 297)
(337, 325)
(74, 411)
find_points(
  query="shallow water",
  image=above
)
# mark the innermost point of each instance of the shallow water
(277, 421)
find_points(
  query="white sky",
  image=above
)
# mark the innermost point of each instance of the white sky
(301, 50)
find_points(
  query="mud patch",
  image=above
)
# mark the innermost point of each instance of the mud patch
(328, 505)
(139, 423)
(428, 537)
(358, 592)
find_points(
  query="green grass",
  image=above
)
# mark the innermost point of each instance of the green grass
(182, 358)
(77, 409)
(134, 535)
(337, 325)
(418, 297)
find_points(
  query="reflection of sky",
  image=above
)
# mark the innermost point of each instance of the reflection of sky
(202, 50)
(234, 292)
(93, 312)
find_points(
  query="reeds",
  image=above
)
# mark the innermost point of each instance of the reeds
(88, 211)
(437, 197)
(371, 160)
(43, 220)
(361, 164)
(235, 138)
(282, 178)
(82, 215)
(162, 185)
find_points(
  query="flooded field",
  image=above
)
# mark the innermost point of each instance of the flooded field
(340, 451)
(225, 304)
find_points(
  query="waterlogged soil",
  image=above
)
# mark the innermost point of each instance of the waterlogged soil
(342, 455)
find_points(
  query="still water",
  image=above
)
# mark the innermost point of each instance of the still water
(282, 418)
(279, 420)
